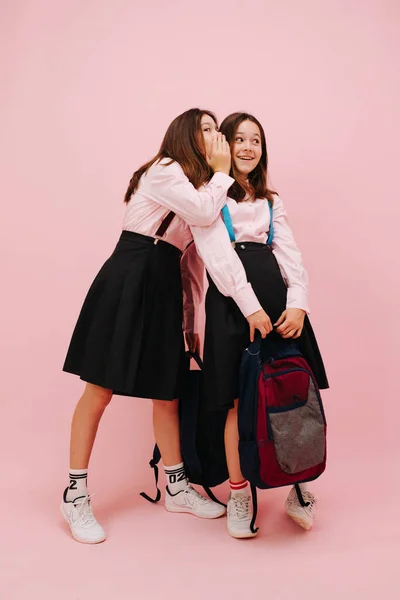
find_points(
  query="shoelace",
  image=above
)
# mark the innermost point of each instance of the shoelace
(189, 490)
(241, 506)
(84, 510)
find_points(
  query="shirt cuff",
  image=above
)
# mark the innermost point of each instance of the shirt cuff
(222, 180)
(188, 324)
(297, 298)
(247, 300)
(191, 320)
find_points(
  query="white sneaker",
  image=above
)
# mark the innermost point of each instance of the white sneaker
(190, 501)
(80, 518)
(302, 515)
(240, 514)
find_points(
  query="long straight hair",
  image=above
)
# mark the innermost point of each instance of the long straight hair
(183, 143)
(257, 185)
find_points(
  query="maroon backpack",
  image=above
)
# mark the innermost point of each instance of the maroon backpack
(282, 425)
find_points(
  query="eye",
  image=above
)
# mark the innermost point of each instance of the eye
(239, 139)
(256, 141)
(207, 129)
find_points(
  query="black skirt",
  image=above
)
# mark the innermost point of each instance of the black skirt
(227, 330)
(129, 336)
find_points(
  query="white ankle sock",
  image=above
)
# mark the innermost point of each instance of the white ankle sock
(176, 478)
(239, 488)
(77, 484)
(303, 487)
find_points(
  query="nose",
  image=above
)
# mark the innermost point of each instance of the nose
(246, 145)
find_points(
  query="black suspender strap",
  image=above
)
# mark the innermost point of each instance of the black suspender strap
(165, 223)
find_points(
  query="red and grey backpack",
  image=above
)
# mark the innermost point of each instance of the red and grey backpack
(282, 425)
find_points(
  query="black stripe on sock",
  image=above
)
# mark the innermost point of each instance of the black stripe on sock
(174, 471)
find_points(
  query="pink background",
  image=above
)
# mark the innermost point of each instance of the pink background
(87, 91)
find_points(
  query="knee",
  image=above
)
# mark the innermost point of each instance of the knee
(166, 407)
(98, 396)
(234, 408)
(232, 415)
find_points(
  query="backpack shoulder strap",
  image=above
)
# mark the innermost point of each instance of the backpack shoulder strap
(253, 528)
(300, 496)
(212, 496)
(154, 465)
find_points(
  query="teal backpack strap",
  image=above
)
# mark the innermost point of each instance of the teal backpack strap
(226, 215)
(271, 224)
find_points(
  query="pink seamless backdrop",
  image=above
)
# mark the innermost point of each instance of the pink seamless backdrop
(87, 91)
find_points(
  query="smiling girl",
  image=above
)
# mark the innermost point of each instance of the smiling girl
(280, 283)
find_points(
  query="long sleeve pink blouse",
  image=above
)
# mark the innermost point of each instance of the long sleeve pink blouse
(166, 188)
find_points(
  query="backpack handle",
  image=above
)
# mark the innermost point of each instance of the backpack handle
(273, 346)
(254, 348)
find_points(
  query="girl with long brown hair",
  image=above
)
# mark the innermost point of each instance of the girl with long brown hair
(280, 283)
(129, 339)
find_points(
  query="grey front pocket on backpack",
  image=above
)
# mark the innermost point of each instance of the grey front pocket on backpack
(299, 435)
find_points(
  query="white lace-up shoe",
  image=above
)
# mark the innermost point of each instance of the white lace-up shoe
(240, 514)
(302, 515)
(80, 518)
(190, 501)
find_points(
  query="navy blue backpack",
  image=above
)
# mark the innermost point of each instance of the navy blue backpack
(202, 437)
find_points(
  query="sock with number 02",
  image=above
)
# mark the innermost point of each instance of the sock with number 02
(176, 478)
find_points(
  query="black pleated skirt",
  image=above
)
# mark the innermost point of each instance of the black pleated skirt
(227, 330)
(128, 337)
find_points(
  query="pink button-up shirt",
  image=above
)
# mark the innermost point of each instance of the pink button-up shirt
(165, 187)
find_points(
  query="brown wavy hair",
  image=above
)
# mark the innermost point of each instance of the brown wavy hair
(183, 143)
(257, 185)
